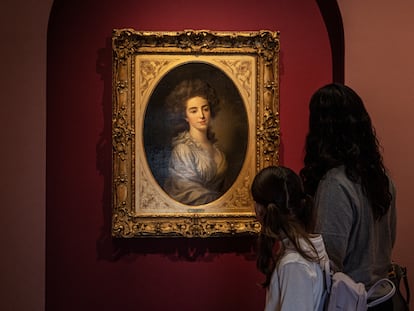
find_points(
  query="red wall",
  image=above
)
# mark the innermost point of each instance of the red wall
(85, 268)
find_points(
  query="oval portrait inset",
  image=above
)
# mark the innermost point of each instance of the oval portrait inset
(195, 133)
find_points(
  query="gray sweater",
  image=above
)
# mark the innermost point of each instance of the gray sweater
(356, 243)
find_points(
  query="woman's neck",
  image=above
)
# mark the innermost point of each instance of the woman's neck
(200, 136)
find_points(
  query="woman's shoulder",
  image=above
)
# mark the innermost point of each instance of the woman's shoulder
(182, 139)
(336, 172)
(336, 175)
(219, 149)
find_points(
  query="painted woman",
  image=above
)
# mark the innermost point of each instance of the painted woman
(197, 167)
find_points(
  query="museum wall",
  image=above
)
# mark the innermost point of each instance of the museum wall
(379, 65)
(85, 268)
(90, 272)
(23, 30)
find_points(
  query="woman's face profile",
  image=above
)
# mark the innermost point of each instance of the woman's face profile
(197, 113)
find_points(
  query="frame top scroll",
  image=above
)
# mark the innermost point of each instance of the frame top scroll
(129, 41)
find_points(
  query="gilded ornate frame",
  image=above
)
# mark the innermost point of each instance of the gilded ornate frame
(140, 59)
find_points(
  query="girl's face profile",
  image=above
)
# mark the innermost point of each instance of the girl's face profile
(197, 113)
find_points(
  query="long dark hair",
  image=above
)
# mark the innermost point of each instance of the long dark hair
(341, 133)
(287, 213)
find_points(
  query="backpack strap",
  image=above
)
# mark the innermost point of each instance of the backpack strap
(382, 298)
(328, 276)
(396, 274)
(405, 279)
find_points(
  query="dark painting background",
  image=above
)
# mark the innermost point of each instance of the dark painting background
(230, 125)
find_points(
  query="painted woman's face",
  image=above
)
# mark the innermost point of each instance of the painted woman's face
(198, 113)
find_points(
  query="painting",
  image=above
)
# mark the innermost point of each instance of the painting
(195, 117)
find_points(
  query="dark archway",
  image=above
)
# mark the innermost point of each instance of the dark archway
(333, 22)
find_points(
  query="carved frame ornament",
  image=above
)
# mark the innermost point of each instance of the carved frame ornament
(142, 62)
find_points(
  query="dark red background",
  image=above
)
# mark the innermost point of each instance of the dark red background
(85, 268)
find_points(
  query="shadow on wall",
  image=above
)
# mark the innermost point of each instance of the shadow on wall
(176, 249)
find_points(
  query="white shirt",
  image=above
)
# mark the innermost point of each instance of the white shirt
(297, 284)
